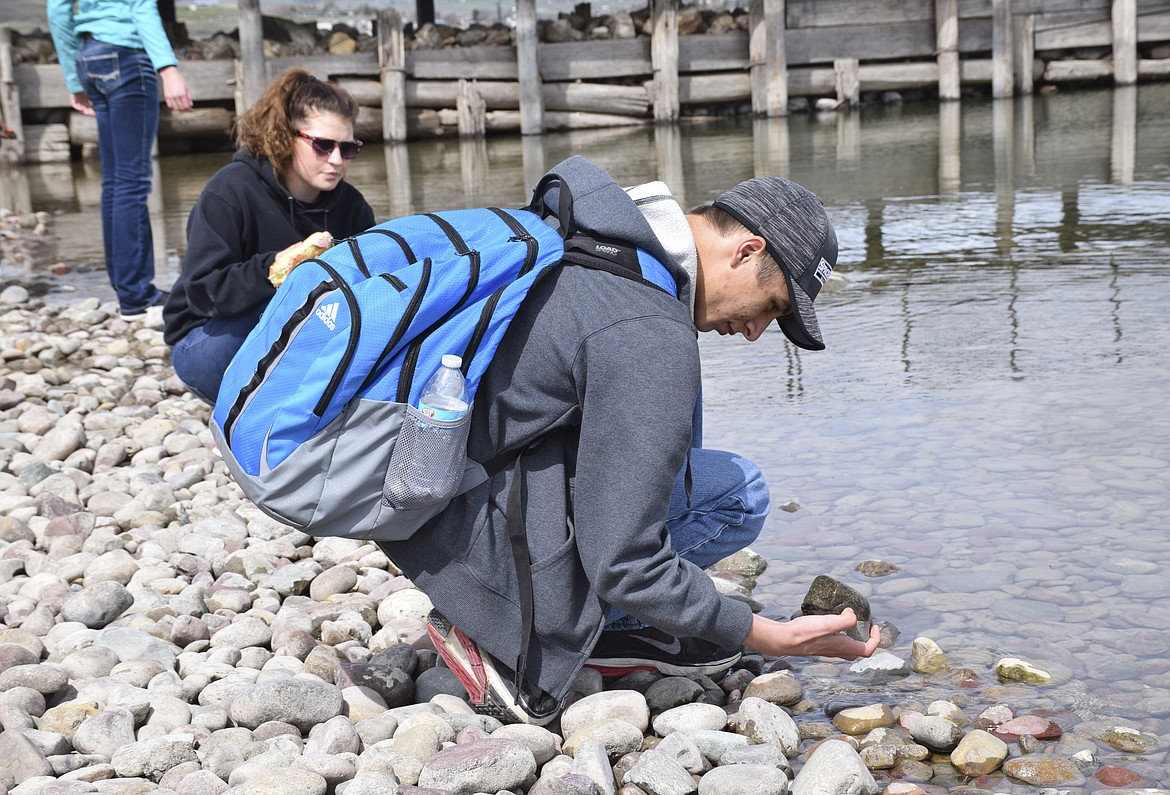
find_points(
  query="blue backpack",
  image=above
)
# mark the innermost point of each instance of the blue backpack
(316, 416)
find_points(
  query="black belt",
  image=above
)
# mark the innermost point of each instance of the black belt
(85, 36)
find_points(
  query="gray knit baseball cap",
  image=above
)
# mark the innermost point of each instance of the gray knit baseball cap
(800, 237)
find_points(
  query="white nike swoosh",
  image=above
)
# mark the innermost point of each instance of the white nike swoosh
(669, 648)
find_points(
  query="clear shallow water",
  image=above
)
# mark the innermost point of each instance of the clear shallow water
(990, 415)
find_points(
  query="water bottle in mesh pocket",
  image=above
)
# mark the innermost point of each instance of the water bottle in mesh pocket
(427, 463)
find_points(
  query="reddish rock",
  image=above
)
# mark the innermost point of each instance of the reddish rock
(909, 769)
(990, 782)
(1036, 726)
(993, 716)
(1113, 776)
(964, 677)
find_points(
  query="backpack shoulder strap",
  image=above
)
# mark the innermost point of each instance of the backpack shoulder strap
(598, 251)
(620, 258)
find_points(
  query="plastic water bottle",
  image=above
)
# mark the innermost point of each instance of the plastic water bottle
(428, 460)
(445, 395)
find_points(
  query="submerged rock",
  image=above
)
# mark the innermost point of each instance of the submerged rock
(1017, 670)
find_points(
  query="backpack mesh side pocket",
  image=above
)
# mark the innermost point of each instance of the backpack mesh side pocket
(427, 463)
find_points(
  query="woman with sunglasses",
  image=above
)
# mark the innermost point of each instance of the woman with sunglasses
(282, 198)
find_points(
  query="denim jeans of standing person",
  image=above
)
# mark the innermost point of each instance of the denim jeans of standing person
(122, 86)
(729, 502)
(201, 358)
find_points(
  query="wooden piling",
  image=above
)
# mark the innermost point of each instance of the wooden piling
(13, 150)
(528, 69)
(392, 74)
(767, 57)
(1124, 42)
(1024, 51)
(252, 75)
(664, 58)
(848, 82)
(1002, 72)
(946, 47)
(471, 109)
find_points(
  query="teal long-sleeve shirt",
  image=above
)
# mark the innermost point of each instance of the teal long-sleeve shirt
(126, 23)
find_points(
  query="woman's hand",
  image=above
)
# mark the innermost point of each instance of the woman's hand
(80, 102)
(312, 246)
(175, 91)
(805, 636)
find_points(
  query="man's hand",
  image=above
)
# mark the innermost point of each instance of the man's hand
(175, 90)
(806, 636)
(80, 102)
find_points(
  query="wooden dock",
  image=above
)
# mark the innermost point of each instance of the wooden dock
(832, 50)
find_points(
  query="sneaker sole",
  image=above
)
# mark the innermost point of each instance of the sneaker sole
(483, 682)
(620, 666)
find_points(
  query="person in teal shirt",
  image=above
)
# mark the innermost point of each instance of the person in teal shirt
(113, 54)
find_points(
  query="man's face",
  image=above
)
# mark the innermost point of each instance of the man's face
(732, 300)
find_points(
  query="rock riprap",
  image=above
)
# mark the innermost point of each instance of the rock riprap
(158, 633)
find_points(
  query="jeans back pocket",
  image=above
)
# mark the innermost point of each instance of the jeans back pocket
(102, 70)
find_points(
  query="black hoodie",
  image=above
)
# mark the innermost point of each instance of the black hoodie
(243, 218)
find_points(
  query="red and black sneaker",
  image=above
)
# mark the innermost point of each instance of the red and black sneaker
(489, 684)
(619, 652)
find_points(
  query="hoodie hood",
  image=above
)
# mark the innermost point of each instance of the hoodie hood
(602, 207)
(307, 218)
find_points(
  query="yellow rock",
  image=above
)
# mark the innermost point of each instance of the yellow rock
(927, 657)
(1019, 671)
(860, 720)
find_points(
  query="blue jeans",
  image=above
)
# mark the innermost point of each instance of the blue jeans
(122, 86)
(729, 502)
(202, 357)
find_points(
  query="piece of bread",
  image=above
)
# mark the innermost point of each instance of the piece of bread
(312, 246)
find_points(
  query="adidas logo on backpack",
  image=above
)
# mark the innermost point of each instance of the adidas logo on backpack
(328, 315)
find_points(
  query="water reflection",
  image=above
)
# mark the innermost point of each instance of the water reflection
(990, 413)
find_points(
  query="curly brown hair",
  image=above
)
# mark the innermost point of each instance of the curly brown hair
(269, 127)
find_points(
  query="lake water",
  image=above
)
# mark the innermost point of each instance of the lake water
(990, 415)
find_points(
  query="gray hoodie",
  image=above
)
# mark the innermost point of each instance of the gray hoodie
(604, 374)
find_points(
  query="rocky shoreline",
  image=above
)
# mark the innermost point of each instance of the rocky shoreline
(158, 633)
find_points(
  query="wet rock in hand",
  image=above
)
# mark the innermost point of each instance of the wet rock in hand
(828, 596)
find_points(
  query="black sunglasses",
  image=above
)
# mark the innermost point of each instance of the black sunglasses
(324, 146)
